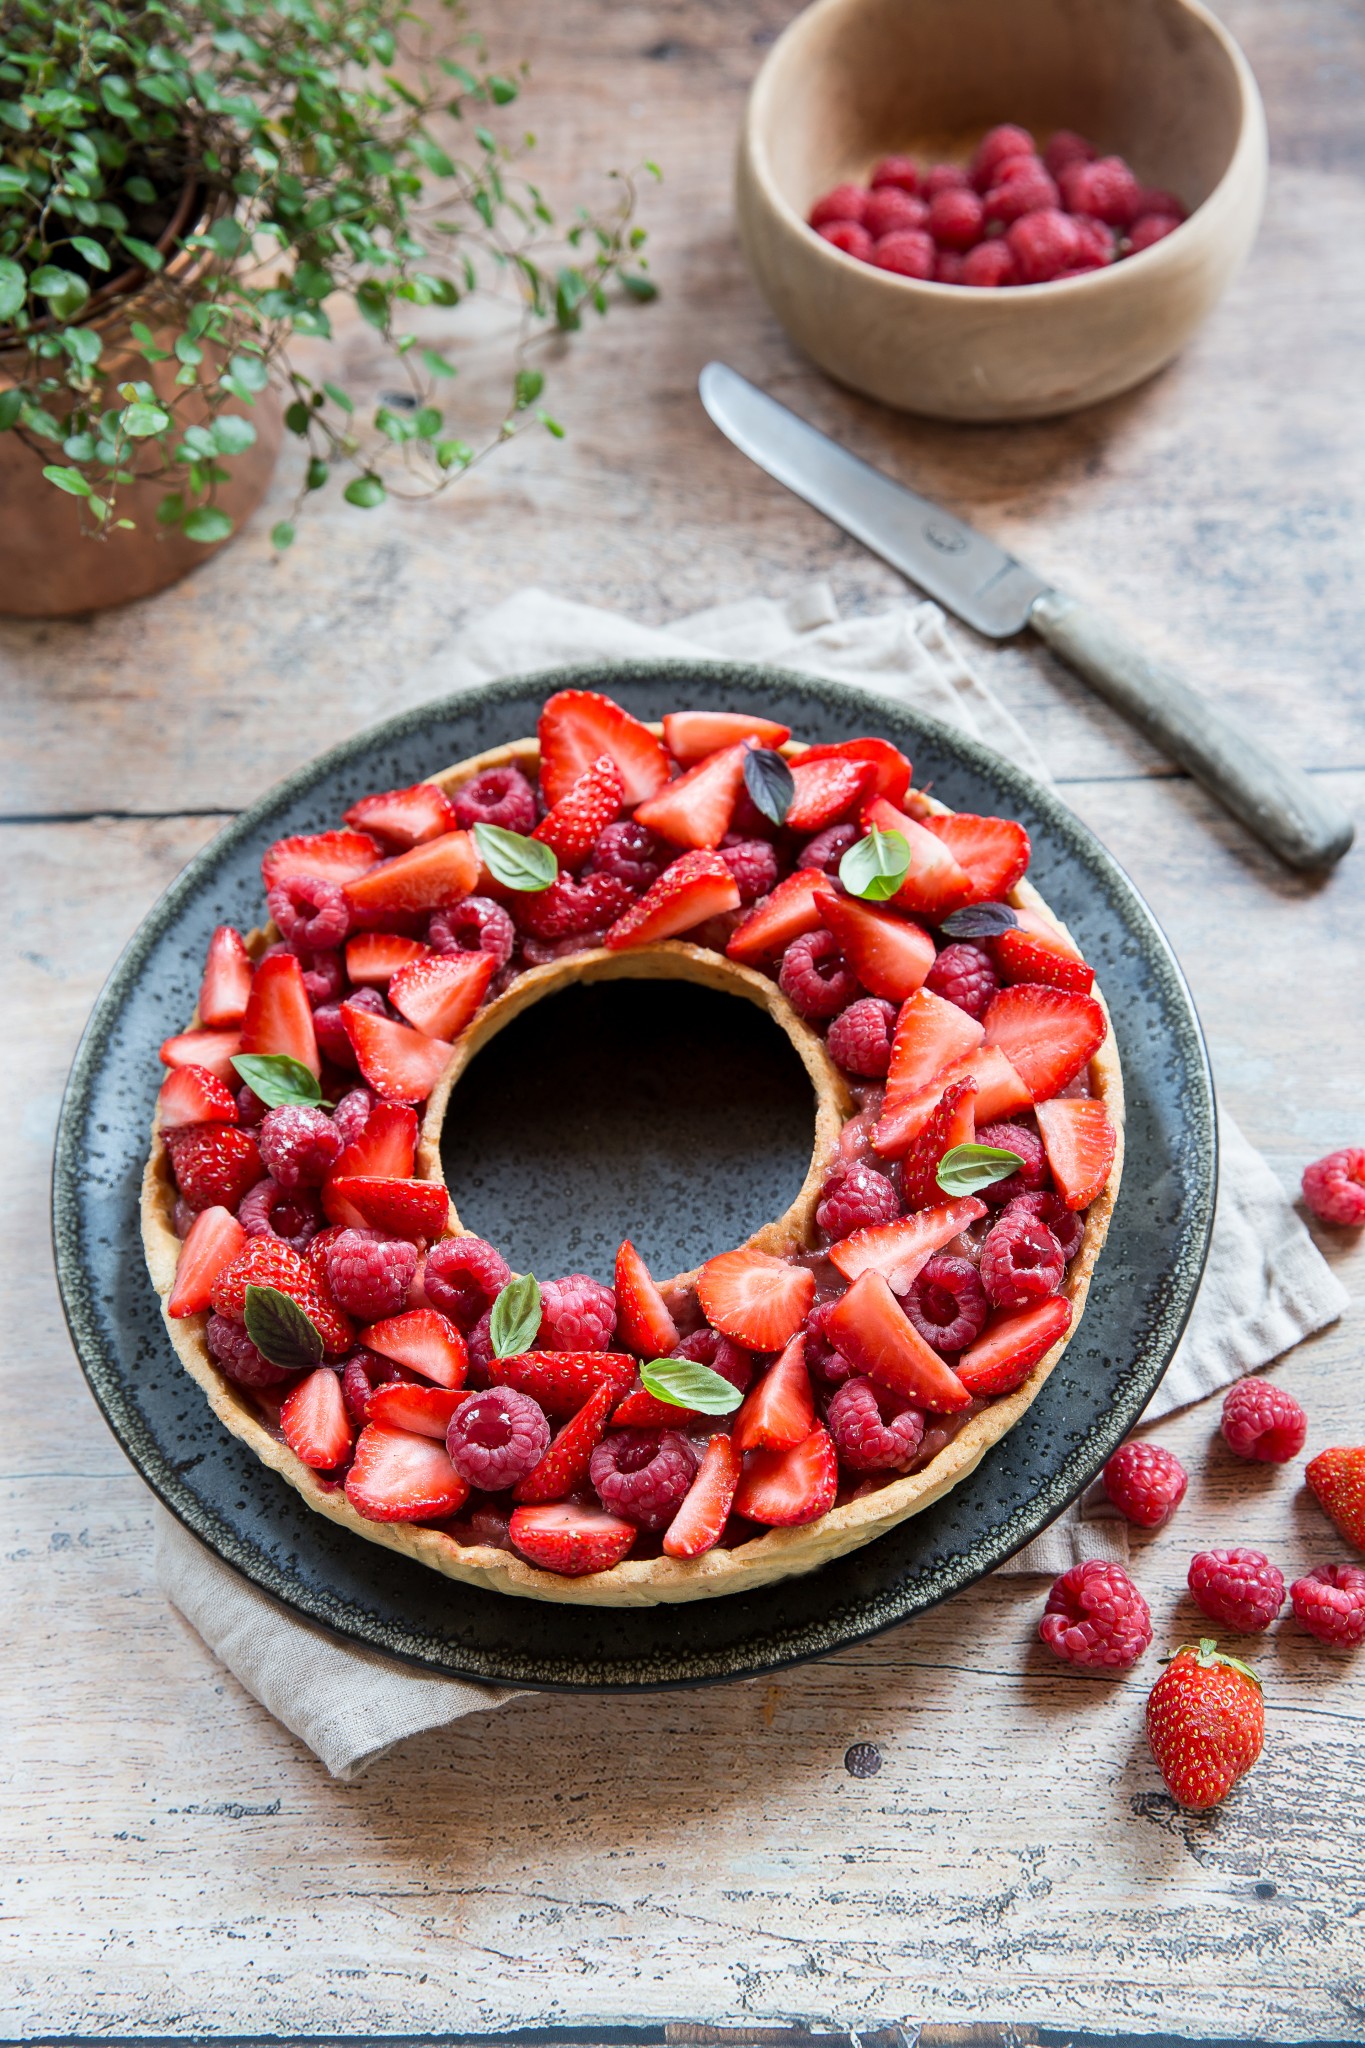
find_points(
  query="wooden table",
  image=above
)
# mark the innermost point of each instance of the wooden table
(176, 1862)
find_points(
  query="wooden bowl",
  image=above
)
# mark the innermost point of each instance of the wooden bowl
(1159, 82)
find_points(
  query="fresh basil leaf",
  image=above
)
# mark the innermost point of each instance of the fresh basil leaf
(281, 1331)
(687, 1384)
(515, 1320)
(875, 867)
(514, 860)
(770, 783)
(979, 921)
(966, 1168)
(279, 1080)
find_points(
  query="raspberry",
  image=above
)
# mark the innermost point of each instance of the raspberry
(822, 1359)
(214, 1164)
(996, 147)
(352, 1113)
(1021, 1261)
(1150, 228)
(948, 267)
(956, 219)
(1025, 188)
(182, 1217)
(1028, 1146)
(497, 1437)
(631, 852)
(865, 1442)
(1066, 1225)
(540, 952)
(1095, 242)
(333, 1039)
(828, 848)
(898, 171)
(943, 178)
(909, 252)
(1334, 1187)
(845, 202)
(324, 977)
(1151, 199)
(889, 210)
(643, 1474)
(1043, 244)
(312, 914)
(753, 864)
(855, 1198)
(1096, 1617)
(859, 1039)
(300, 1146)
(964, 974)
(814, 976)
(577, 1313)
(1146, 1483)
(266, 1262)
(370, 1275)
(848, 236)
(237, 1358)
(707, 1347)
(478, 925)
(1065, 148)
(1330, 1603)
(361, 1373)
(293, 1215)
(567, 908)
(1106, 188)
(463, 1277)
(1238, 1589)
(947, 1303)
(479, 1344)
(990, 265)
(1263, 1422)
(499, 796)
(250, 1108)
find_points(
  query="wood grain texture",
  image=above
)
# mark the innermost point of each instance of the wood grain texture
(175, 1862)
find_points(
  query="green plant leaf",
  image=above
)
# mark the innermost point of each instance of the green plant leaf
(13, 290)
(281, 1082)
(207, 524)
(979, 921)
(281, 1330)
(966, 1168)
(69, 480)
(529, 385)
(142, 420)
(515, 861)
(686, 1384)
(232, 434)
(64, 291)
(142, 252)
(515, 1319)
(365, 491)
(282, 535)
(94, 252)
(874, 867)
(769, 782)
(11, 405)
(642, 288)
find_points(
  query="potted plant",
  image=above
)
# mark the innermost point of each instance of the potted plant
(187, 191)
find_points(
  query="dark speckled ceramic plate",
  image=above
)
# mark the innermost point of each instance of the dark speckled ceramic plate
(680, 1117)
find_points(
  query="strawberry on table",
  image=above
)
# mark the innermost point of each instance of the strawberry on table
(693, 888)
(784, 1489)
(759, 1300)
(212, 1243)
(571, 1540)
(404, 817)
(316, 1426)
(397, 1476)
(400, 1064)
(700, 1521)
(779, 1410)
(326, 856)
(1048, 1035)
(564, 1467)
(212, 1050)
(576, 726)
(1080, 1143)
(795, 907)
(691, 735)
(889, 954)
(695, 810)
(279, 1017)
(1336, 1479)
(227, 980)
(439, 994)
(1205, 1724)
(643, 1322)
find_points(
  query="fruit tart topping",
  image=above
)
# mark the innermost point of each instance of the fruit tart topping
(315, 1423)
(757, 1299)
(686, 1383)
(399, 1476)
(564, 1468)
(497, 796)
(571, 1540)
(700, 1520)
(405, 817)
(227, 980)
(497, 1438)
(868, 1441)
(696, 886)
(785, 1489)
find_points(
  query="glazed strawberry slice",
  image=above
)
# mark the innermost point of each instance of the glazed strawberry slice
(440, 994)
(192, 1095)
(414, 1209)
(571, 827)
(936, 883)
(931, 1035)
(563, 1380)
(890, 955)
(213, 1241)
(397, 1476)
(898, 1250)
(755, 1298)
(405, 817)
(1047, 1034)
(424, 1411)
(212, 1050)
(564, 1467)
(386, 1148)
(570, 1540)
(705, 1508)
(994, 851)
(279, 1018)
(891, 770)
(373, 958)
(786, 1488)
(1080, 1143)
(316, 1426)
(695, 810)
(400, 1064)
(694, 887)
(875, 1335)
(952, 1123)
(1036, 951)
(226, 984)
(794, 907)
(426, 877)
(999, 1093)
(327, 856)
(692, 735)
(779, 1410)
(1011, 1345)
(578, 725)
(825, 790)
(424, 1342)
(643, 1323)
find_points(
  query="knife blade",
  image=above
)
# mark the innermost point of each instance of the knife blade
(997, 595)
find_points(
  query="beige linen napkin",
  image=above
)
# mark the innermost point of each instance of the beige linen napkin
(1265, 1287)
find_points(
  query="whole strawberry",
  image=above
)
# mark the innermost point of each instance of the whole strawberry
(1337, 1478)
(1205, 1723)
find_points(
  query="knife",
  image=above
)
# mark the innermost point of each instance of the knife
(998, 596)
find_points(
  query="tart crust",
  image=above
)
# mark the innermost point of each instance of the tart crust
(643, 1582)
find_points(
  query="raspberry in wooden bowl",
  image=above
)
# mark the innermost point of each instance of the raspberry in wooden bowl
(918, 296)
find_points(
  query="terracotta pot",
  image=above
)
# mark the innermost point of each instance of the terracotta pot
(50, 565)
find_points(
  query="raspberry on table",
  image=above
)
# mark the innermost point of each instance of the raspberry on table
(1024, 188)
(1043, 245)
(478, 925)
(1096, 1617)
(889, 210)
(900, 171)
(237, 1358)
(815, 977)
(292, 1214)
(990, 266)
(1106, 188)
(1021, 1261)
(859, 1039)
(630, 852)
(370, 1275)
(214, 1164)
(864, 1441)
(1025, 1143)
(577, 1313)
(463, 1277)
(569, 908)
(1146, 1483)
(497, 796)
(1066, 1225)
(964, 974)
(312, 914)
(352, 1113)
(1239, 1589)
(1149, 229)
(496, 1437)
(956, 218)
(947, 1303)
(1263, 1422)
(1334, 1187)
(299, 1146)
(845, 202)
(855, 1197)
(643, 1474)
(848, 235)
(828, 848)
(996, 147)
(753, 863)
(1330, 1602)
(909, 252)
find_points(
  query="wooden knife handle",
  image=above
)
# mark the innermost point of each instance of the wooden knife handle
(1277, 802)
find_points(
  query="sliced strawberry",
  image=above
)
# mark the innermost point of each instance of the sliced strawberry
(227, 980)
(890, 955)
(795, 906)
(695, 810)
(994, 851)
(212, 1050)
(931, 1034)
(1011, 1345)
(779, 1409)
(570, 828)
(279, 1018)
(192, 1095)
(755, 1298)
(692, 735)
(399, 1477)
(328, 856)
(425, 1411)
(826, 789)
(898, 1250)
(1047, 1034)
(316, 1426)
(891, 769)
(694, 887)
(1080, 1144)
(413, 1209)
(441, 993)
(877, 1337)
(405, 817)
(706, 1505)
(564, 1467)
(424, 1342)
(999, 1093)
(578, 725)
(642, 1321)
(212, 1242)
(1036, 951)
(399, 1063)
(952, 1123)
(563, 1380)
(386, 1148)
(935, 883)
(426, 877)
(373, 958)
(564, 1537)
(786, 1488)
